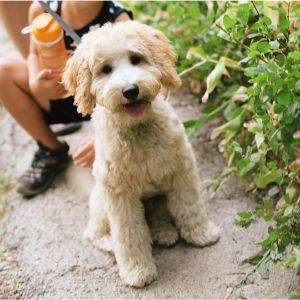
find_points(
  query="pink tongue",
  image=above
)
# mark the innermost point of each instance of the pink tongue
(135, 109)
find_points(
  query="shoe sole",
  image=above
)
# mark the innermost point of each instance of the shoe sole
(27, 194)
(68, 129)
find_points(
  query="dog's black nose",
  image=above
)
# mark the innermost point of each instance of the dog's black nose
(131, 92)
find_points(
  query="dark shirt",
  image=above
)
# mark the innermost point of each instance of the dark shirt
(109, 12)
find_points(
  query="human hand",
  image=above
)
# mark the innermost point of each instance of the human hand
(44, 86)
(85, 155)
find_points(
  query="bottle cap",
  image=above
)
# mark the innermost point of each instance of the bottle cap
(45, 28)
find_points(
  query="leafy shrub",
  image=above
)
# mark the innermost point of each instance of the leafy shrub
(263, 146)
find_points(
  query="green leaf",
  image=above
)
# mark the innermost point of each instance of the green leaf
(288, 211)
(284, 98)
(217, 180)
(287, 263)
(245, 214)
(263, 47)
(262, 180)
(297, 262)
(274, 45)
(251, 71)
(193, 11)
(295, 297)
(259, 212)
(295, 55)
(233, 125)
(230, 63)
(268, 217)
(228, 22)
(255, 157)
(243, 13)
(296, 10)
(297, 86)
(263, 270)
(259, 139)
(223, 35)
(213, 79)
(245, 166)
(284, 24)
(207, 114)
(232, 111)
(196, 52)
(267, 20)
(252, 260)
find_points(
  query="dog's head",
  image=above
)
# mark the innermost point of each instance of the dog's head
(121, 67)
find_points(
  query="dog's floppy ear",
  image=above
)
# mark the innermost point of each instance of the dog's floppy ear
(163, 54)
(77, 79)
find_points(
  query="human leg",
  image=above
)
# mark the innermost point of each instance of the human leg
(52, 155)
(14, 15)
(16, 97)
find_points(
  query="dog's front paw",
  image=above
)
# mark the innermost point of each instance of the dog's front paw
(139, 275)
(204, 235)
(91, 233)
(104, 243)
(96, 229)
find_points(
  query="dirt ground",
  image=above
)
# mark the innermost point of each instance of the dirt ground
(45, 256)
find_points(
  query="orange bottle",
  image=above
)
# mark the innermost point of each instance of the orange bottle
(48, 37)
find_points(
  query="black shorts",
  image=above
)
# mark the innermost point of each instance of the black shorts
(64, 111)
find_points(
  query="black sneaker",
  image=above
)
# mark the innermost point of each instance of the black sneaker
(46, 164)
(65, 129)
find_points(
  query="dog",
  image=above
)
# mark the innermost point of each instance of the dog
(141, 149)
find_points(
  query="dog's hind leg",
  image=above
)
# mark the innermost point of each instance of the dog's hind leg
(163, 232)
(98, 225)
(188, 210)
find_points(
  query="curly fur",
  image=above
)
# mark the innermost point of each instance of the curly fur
(136, 157)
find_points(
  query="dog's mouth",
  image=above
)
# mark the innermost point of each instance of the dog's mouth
(135, 109)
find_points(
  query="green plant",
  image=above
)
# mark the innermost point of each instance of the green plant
(261, 136)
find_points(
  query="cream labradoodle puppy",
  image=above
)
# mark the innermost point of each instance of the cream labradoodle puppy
(141, 148)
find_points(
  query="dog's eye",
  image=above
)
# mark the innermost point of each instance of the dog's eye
(135, 60)
(107, 69)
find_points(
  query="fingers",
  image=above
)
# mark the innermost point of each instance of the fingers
(70, 53)
(85, 161)
(85, 155)
(44, 74)
(83, 150)
(59, 92)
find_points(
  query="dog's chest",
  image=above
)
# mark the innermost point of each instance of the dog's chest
(144, 156)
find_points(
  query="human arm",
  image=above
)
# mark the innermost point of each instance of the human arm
(42, 85)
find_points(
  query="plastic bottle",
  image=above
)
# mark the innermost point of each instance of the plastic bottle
(48, 36)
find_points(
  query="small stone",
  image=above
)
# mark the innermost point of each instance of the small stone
(274, 190)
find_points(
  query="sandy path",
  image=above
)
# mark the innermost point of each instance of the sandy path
(46, 257)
